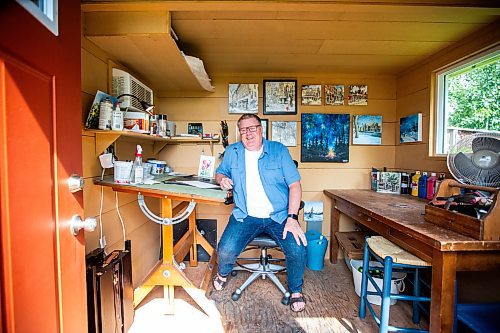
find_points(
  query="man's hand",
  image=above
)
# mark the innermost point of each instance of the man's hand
(226, 183)
(293, 226)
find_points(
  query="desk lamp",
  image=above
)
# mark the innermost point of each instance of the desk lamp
(148, 107)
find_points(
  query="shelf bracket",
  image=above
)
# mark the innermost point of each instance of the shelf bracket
(103, 140)
(158, 146)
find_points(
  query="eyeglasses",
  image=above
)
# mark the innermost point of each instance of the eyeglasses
(253, 128)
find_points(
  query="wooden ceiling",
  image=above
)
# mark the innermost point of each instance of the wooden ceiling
(285, 37)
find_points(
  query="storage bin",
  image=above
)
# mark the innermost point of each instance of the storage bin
(397, 285)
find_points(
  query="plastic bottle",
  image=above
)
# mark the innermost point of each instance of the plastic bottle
(117, 122)
(414, 183)
(422, 186)
(431, 186)
(137, 174)
(405, 189)
(105, 114)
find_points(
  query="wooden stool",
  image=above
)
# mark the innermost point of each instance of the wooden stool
(391, 257)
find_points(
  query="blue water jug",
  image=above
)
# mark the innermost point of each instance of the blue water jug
(316, 249)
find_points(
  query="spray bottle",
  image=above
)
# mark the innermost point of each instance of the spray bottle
(137, 174)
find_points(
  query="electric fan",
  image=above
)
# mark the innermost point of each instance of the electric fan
(475, 160)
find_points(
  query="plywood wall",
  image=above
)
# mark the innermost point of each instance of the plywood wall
(211, 108)
(415, 91)
(144, 235)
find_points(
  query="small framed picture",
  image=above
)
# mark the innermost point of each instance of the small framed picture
(285, 132)
(311, 94)
(366, 130)
(410, 128)
(280, 96)
(195, 128)
(243, 98)
(334, 94)
(265, 128)
(358, 95)
(206, 168)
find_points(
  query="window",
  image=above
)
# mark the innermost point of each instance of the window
(467, 99)
(44, 11)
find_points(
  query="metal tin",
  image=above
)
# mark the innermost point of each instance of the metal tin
(105, 114)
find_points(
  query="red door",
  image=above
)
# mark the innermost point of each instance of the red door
(42, 264)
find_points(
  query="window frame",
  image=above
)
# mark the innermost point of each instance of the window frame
(48, 16)
(441, 96)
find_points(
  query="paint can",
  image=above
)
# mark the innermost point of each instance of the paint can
(157, 167)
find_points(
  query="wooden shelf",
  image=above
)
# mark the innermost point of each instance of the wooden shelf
(105, 138)
(143, 42)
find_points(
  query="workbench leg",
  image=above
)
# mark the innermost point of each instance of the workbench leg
(193, 252)
(334, 228)
(443, 291)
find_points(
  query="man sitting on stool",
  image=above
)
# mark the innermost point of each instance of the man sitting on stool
(267, 193)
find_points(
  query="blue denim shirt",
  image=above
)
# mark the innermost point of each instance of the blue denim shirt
(277, 171)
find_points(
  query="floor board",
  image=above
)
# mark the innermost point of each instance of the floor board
(332, 306)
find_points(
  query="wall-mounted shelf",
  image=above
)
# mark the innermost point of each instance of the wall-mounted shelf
(142, 41)
(105, 138)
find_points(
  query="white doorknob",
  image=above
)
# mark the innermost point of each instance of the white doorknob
(77, 224)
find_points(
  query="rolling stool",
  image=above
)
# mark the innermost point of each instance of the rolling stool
(391, 257)
(263, 268)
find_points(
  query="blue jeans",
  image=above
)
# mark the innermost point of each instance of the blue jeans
(237, 235)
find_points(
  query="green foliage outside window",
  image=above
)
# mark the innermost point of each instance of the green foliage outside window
(474, 97)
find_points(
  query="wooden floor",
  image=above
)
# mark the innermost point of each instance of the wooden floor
(332, 306)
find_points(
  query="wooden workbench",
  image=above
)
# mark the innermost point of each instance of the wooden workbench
(400, 219)
(167, 272)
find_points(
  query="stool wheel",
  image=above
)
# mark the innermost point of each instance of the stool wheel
(285, 300)
(234, 273)
(235, 296)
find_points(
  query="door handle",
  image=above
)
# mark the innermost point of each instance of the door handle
(77, 224)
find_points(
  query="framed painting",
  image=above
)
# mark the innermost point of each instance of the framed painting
(243, 98)
(311, 94)
(285, 132)
(410, 128)
(334, 94)
(325, 138)
(280, 96)
(358, 95)
(366, 130)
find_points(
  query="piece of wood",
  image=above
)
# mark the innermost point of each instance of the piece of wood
(351, 243)
(334, 228)
(443, 291)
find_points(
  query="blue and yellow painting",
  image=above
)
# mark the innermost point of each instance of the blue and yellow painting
(366, 130)
(325, 138)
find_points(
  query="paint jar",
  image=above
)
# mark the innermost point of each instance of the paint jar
(157, 167)
(122, 171)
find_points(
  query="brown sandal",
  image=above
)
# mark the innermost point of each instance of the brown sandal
(299, 299)
(220, 282)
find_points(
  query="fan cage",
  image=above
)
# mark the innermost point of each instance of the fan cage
(473, 174)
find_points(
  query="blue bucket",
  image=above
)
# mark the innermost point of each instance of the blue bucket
(312, 235)
(316, 249)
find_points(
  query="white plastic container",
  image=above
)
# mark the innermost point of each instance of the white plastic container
(397, 284)
(122, 172)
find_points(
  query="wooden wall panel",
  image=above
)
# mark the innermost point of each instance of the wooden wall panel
(143, 233)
